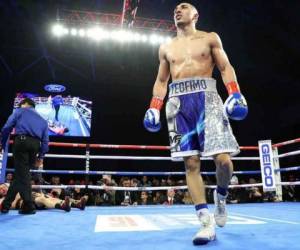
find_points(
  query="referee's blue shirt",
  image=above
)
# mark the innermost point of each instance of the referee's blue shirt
(27, 121)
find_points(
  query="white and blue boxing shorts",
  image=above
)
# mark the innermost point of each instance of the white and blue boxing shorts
(196, 122)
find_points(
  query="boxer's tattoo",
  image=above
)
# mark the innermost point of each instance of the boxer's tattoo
(197, 37)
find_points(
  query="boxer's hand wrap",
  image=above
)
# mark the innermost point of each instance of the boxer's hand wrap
(232, 87)
(235, 107)
(152, 116)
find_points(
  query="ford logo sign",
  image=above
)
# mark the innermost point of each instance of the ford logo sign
(55, 88)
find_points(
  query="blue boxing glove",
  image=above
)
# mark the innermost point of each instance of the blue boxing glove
(152, 120)
(152, 116)
(235, 107)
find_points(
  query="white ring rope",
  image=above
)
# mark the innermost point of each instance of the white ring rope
(158, 158)
(297, 152)
(123, 157)
(103, 187)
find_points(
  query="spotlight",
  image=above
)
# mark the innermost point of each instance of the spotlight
(144, 38)
(81, 32)
(154, 39)
(125, 36)
(58, 30)
(137, 37)
(74, 32)
(97, 33)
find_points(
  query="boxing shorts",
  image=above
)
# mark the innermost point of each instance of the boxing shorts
(196, 122)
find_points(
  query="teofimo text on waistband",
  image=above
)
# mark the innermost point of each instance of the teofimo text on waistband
(191, 85)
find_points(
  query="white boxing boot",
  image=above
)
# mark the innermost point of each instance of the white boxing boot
(220, 213)
(207, 231)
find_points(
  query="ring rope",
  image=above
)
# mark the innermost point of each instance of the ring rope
(124, 157)
(149, 147)
(103, 187)
(154, 147)
(128, 173)
(115, 146)
(280, 144)
(288, 169)
(297, 152)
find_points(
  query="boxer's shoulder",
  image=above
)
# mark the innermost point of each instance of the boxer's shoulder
(214, 38)
(200, 34)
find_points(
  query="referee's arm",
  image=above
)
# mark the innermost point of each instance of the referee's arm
(9, 125)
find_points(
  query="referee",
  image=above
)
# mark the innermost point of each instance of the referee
(30, 146)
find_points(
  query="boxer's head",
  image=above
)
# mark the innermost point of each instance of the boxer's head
(185, 14)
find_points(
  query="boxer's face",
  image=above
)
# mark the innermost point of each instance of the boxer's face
(185, 13)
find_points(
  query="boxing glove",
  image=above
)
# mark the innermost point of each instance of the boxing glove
(152, 116)
(235, 107)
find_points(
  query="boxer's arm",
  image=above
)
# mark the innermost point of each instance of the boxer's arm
(221, 60)
(235, 106)
(152, 116)
(161, 83)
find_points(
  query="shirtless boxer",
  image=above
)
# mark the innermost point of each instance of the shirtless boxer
(42, 200)
(3, 191)
(197, 120)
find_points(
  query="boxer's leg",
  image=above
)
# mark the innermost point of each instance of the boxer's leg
(224, 169)
(80, 204)
(194, 179)
(185, 119)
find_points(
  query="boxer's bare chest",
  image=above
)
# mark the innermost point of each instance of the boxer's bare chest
(189, 50)
(190, 57)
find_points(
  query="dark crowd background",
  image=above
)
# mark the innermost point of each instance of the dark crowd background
(168, 196)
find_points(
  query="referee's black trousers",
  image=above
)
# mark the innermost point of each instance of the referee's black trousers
(25, 149)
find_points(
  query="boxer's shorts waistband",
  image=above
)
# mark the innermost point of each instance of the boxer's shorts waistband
(191, 85)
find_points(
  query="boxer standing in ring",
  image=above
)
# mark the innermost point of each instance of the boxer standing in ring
(197, 120)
